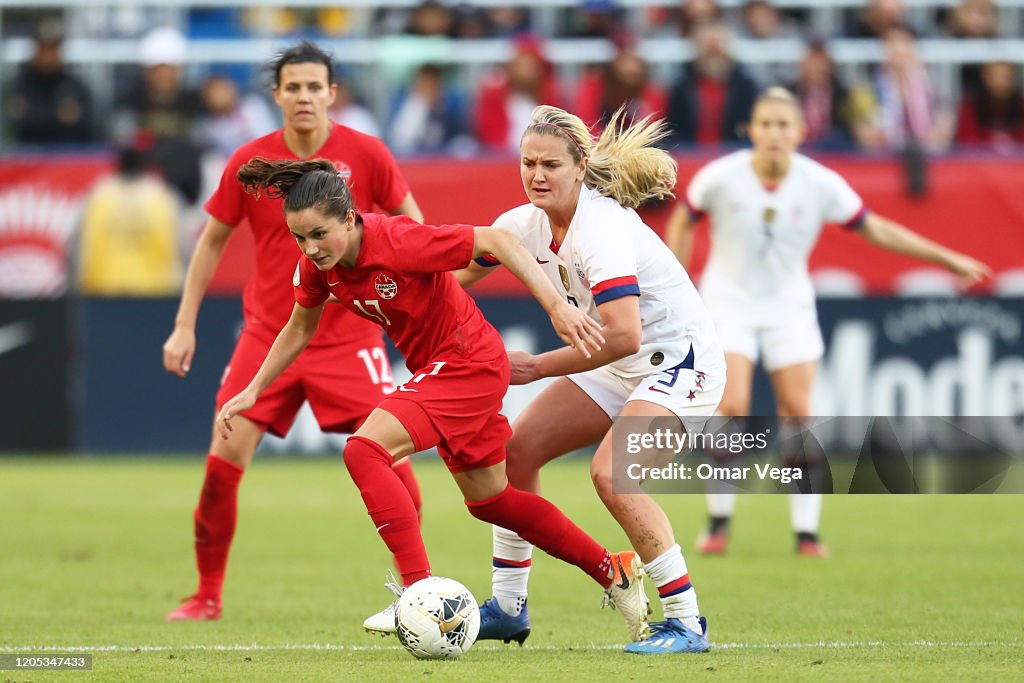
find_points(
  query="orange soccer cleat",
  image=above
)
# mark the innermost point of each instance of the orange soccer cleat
(808, 548)
(714, 543)
(194, 608)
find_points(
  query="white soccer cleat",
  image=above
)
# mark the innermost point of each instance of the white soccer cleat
(627, 595)
(384, 623)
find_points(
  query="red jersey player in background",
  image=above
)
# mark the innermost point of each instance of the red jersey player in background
(395, 272)
(343, 371)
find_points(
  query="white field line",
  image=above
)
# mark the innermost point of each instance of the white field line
(254, 647)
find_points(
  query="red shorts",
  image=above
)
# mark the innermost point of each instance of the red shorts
(455, 404)
(343, 384)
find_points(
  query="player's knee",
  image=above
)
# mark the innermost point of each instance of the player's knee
(602, 479)
(733, 406)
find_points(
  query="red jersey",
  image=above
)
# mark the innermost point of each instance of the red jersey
(376, 184)
(401, 281)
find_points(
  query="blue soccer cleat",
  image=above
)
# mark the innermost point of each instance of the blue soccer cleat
(671, 637)
(495, 624)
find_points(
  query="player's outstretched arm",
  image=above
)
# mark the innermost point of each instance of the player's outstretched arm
(622, 331)
(180, 346)
(291, 340)
(892, 236)
(679, 234)
(574, 326)
(471, 274)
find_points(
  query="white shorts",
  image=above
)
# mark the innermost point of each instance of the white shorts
(778, 335)
(687, 393)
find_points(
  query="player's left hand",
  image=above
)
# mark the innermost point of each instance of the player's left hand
(576, 328)
(968, 271)
(234, 406)
(524, 367)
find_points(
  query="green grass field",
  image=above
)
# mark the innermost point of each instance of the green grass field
(94, 552)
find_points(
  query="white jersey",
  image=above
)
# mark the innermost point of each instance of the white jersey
(608, 252)
(761, 238)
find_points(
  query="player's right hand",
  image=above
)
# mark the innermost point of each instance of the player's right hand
(234, 406)
(179, 349)
(576, 328)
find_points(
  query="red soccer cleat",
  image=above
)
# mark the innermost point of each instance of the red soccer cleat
(811, 549)
(713, 543)
(194, 608)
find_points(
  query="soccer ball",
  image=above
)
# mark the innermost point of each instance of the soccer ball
(437, 618)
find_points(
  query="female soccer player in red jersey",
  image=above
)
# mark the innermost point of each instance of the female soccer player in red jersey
(394, 272)
(345, 371)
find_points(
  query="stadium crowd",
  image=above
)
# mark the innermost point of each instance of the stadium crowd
(431, 106)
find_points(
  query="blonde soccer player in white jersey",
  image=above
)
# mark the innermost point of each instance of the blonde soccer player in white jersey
(661, 359)
(767, 206)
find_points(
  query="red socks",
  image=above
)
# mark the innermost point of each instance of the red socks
(404, 471)
(215, 520)
(542, 524)
(390, 505)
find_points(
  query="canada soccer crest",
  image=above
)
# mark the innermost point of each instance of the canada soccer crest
(385, 286)
(343, 170)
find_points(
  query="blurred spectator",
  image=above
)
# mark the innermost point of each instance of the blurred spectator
(508, 95)
(832, 117)
(471, 23)
(711, 101)
(878, 17)
(693, 13)
(428, 117)
(46, 103)
(761, 20)
(910, 111)
(596, 19)
(993, 115)
(508, 22)
(129, 243)
(159, 108)
(349, 111)
(430, 18)
(624, 81)
(973, 19)
(229, 120)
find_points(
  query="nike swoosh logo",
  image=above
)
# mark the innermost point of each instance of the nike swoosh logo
(14, 335)
(624, 583)
(382, 526)
(334, 284)
(403, 388)
(542, 262)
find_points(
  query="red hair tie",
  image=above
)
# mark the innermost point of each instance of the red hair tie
(567, 134)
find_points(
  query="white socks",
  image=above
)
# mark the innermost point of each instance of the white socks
(510, 572)
(678, 597)
(805, 512)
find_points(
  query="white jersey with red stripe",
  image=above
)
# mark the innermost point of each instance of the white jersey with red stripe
(608, 253)
(761, 238)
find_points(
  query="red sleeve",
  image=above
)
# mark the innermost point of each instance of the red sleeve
(308, 283)
(226, 202)
(389, 185)
(415, 248)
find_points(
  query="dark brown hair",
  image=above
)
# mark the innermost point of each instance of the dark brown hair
(313, 183)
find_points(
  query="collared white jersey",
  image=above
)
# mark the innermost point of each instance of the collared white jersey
(609, 252)
(761, 239)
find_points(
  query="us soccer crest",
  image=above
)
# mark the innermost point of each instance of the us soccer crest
(386, 287)
(563, 272)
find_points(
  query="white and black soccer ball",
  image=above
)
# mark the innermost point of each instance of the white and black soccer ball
(437, 618)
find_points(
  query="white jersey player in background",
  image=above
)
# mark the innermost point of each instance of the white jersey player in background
(767, 206)
(661, 359)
